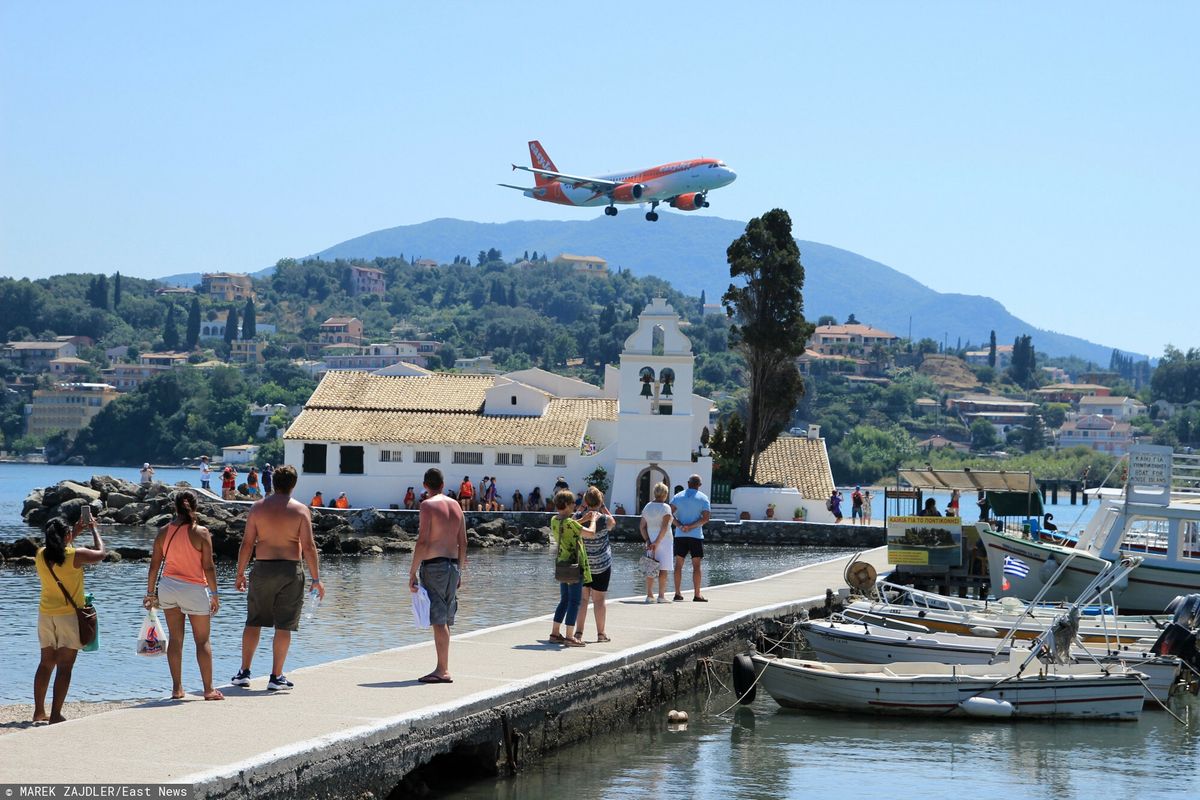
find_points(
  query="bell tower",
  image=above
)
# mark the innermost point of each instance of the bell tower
(660, 419)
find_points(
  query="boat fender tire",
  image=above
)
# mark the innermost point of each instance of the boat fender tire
(743, 679)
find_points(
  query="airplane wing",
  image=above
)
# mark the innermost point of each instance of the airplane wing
(518, 188)
(598, 185)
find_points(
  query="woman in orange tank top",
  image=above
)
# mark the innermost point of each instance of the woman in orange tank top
(187, 588)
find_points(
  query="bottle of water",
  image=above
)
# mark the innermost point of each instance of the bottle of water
(314, 602)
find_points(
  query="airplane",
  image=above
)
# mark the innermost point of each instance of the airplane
(683, 185)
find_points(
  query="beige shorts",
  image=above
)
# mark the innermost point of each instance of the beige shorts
(190, 598)
(59, 630)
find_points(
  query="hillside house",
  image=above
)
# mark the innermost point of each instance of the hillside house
(1121, 409)
(979, 358)
(854, 340)
(587, 265)
(36, 356)
(1103, 434)
(67, 407)
(341, 330)
(227, 286)
(367, 280)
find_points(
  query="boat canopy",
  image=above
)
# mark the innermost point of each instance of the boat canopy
(941, 480)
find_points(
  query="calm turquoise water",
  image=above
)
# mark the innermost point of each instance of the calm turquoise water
(766, 752)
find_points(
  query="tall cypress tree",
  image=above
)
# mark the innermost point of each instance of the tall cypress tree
(249, 323)
(101, 292)
(769, 328)
(117, 291)
(193, 324)
(171, 330)
(992, 351)
(231, 326)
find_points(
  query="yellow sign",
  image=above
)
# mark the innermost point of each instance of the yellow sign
(910, 557)
(925, 520)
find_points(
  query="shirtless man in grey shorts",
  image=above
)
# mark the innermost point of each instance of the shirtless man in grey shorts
(439, 561)
(279, 536)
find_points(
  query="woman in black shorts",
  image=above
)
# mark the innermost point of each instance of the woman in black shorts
(599, 553)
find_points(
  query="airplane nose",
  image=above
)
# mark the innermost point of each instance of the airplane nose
(730, 175)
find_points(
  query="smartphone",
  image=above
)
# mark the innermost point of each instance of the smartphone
(85, 515)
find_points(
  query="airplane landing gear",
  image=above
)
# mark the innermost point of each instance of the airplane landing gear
(610, 211)
(704, 199)
(652, 215)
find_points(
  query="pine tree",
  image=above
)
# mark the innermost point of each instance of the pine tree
(171, 330)
(116, 291)
(231, 326)
(192, 336)
(249, 323)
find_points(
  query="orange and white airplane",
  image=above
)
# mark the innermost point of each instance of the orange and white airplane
(683, 185)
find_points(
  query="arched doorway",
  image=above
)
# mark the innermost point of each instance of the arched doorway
(645, 484)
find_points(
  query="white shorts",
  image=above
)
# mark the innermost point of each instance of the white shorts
(664, 554)
(190, 598)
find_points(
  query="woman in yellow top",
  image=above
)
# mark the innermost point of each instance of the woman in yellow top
(570, 534)
(58, 628)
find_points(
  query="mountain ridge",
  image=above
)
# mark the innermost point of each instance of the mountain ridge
(689, 253)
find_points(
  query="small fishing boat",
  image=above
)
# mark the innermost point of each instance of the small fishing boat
(928, 689)
(864, 643)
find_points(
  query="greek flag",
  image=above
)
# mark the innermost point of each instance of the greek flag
(1015, 567)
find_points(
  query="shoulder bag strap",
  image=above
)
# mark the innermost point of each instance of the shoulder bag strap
(163, 565)
(66, 594)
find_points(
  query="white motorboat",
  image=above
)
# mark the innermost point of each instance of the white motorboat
(1148, 519)
(973, 620)
(864, 643)
(928, 689)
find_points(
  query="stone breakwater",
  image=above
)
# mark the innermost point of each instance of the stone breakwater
(337, 532)
(369, 531)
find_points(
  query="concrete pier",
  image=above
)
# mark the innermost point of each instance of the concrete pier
(365, 723)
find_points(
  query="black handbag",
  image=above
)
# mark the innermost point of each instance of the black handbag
(565, 571)
(86, 615)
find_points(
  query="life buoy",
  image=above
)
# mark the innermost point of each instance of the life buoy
(743, 679)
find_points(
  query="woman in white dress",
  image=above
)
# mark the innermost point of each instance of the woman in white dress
(660, 545)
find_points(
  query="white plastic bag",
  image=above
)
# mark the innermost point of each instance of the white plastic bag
(152, 638)
(420, 607)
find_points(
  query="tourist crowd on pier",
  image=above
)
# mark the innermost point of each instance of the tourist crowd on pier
(182, 580)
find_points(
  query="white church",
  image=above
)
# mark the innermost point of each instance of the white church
(373, 435)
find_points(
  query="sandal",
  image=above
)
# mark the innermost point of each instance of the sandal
(558, 638)
(575, 643)
(601, 637)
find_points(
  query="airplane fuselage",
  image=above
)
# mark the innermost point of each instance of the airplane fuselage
(659, 184)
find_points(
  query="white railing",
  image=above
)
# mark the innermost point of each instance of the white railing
(1185, 473)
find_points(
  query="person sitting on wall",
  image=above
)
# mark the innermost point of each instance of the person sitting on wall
(342, 501)
(317, 501)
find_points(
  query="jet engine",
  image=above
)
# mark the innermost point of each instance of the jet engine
(688, 202)
(628, 192)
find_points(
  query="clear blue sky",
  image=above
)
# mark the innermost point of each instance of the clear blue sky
(1042, 154)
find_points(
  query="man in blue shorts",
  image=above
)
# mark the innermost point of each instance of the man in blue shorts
(691, 510)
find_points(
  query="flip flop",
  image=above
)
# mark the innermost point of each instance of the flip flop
(431, 678)
(574, 643)
(602, 638)
(699, 599)
(214, 695)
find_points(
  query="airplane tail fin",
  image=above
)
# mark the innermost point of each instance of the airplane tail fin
(539, 160)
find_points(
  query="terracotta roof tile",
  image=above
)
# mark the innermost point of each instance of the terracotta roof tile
(437, 409)
(797, 462)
